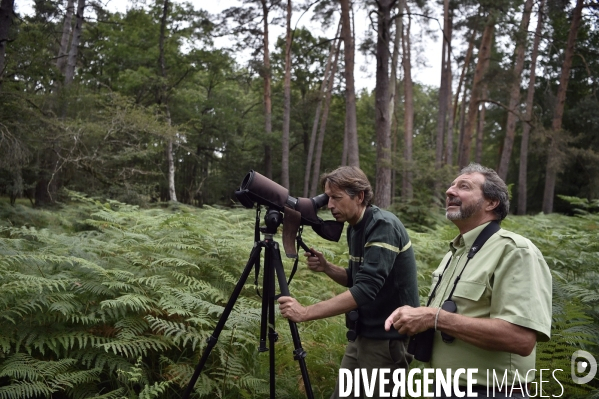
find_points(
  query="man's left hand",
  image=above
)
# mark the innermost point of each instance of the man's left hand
(291, 309)
(409, 321)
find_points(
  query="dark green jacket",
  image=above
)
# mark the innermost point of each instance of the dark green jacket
(382, 271)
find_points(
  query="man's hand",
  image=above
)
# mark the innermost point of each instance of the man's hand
(292, 310)
(408, 320)
(316, 262)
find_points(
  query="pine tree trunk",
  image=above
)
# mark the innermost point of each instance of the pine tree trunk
(163, 101)
(484, 53)
(444, 99)
(6, 16)
(510, 130)
(72, 59)
(350, 91)
(450, 117)
(323, 125)
(553, 164)
(393, 85)
(267, 96)
(407, 189)
(63, 52)
(480, 129)
(523, 170)
(323, 88)
(286, 103)
(382, 196)
(456, 103)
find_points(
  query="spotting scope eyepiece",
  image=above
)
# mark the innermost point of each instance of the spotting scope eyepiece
(258, 189)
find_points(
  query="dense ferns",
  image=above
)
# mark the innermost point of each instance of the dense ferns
(106, 300)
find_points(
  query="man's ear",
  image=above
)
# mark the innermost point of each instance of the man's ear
(492, 205)
(361, 197)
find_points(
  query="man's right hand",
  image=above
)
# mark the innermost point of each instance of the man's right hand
(316, 261)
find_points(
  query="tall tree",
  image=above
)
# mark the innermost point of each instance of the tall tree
(6, 16)
(382, 192)
(512, 116)
(350, 90)
(457, 103)
(321, 94)
(444, 92)
(323, 124)
(523, 170)
(407, 189)
(267, 92)
(163, 101)
(553, 164)
(76, 38)
(393, 83)
(63, 52)
(286, 102)
(484, 54)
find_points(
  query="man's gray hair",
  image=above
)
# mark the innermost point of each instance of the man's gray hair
(494, 188)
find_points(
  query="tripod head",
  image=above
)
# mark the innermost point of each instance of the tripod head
(273, 220)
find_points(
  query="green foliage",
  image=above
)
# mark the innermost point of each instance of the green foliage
(109, 300)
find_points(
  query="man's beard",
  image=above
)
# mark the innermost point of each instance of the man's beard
(464, 212)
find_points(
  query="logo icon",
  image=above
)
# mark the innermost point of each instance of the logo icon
(588, 365)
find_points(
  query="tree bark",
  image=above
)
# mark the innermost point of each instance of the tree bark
(382, 196)
(163, 101)
(72, 59)
(444, 96)
(323, 125)
(523, 170)
(6, 16)
(350, 91)
(63, 52)
(553, 163)
(407, 190)
(480, 129)
(323, 87)
(510, 130)
(267, 95)
(286, 103)
(394, 59)
(393, 83)
(452, 115)
(482, 64)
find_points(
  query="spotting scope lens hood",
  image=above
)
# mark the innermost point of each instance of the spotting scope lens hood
(259, 189)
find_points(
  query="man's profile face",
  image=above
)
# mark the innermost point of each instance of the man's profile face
(464, 198)
(342, 206)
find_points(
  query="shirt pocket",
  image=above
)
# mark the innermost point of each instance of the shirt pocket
(470, 290)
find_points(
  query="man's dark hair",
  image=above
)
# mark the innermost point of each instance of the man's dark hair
(349, 179)
(494, 188)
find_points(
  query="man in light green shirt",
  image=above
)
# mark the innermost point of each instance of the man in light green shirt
(503, 294)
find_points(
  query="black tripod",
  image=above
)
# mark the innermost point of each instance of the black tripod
(272, 266)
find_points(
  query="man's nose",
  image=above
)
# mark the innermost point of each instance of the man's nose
(450, 192)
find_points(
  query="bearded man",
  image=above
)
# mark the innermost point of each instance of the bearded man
(489, 303)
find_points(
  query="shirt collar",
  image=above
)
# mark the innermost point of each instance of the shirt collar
(361, 216)
(466, 239)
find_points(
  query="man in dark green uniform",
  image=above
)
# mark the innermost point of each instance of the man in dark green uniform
(381, 276)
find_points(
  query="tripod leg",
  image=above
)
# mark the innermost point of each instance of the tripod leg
(269, 272)
(254, 258)
(272, 249)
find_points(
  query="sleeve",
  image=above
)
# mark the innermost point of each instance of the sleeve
(383, 243)
(522, 290)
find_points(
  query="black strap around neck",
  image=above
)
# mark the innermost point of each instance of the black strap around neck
(492, 228)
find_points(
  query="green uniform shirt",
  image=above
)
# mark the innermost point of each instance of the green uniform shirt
(382, 271)
(507, 279)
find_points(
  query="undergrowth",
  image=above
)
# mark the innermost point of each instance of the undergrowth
(107, 300)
